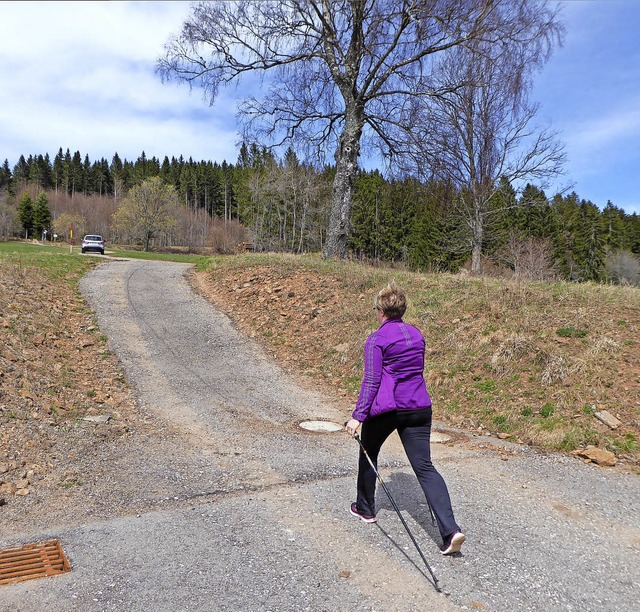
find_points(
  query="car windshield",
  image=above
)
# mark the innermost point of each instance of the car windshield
(93, 238)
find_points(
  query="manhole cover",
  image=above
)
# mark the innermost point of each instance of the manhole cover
(18, 563)
(437, 436)
(325, 426)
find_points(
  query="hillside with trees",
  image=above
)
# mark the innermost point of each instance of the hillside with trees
(283, 205)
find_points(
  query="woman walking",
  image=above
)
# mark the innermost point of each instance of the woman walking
(394, 396)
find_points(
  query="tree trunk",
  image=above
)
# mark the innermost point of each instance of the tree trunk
(476, 243)
(341, 199)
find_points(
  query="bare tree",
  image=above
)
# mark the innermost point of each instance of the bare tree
(8, 216)
(68, 223)
(480, 135)
(341, 69)
(623, 267)
(227, 236)
(529, 258)
(149, 209)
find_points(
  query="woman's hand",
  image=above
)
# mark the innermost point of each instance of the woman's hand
(352, 426)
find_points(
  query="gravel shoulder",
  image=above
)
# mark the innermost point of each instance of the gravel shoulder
(215, 498)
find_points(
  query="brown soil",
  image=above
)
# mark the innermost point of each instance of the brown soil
(55, 371)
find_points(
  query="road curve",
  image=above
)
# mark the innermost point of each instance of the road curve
(258, 516)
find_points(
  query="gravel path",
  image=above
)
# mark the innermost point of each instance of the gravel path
(227, 504)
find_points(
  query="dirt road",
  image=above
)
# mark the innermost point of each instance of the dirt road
(222, 502)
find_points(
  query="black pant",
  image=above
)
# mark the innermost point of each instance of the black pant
(414, 428)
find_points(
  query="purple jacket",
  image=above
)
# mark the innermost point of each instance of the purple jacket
(393, 371)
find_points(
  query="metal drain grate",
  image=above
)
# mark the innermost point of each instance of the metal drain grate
(19, 563)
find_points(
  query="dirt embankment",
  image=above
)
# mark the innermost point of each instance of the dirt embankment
(58, 382)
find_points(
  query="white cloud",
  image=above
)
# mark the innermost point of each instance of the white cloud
(615, 128)
(82, 75)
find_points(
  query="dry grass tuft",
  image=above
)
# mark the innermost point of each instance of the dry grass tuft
(554, 368)
(510, 352)
(604, 345)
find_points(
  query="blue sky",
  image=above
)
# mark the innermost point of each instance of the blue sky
(80, 75)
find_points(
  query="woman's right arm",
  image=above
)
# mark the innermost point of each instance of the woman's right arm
(370, 380)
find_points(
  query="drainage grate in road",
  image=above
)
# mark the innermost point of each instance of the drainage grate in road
(18, 563)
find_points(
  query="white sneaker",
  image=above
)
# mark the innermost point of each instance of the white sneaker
(453, 543)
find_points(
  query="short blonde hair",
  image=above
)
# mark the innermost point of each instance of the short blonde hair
(392, 301)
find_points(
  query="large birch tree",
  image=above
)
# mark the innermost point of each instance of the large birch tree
(482, 134)
(339, 72)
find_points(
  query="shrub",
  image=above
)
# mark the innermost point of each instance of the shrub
(225, 237)
(623, 268)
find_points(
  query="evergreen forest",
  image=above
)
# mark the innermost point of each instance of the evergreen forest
(275, 204)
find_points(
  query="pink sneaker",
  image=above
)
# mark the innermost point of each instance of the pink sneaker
(367, 518)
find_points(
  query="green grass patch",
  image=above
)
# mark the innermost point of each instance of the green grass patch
(500, 421)
(69, 484)
(628, 444)
(577, 437)
(486, 386)
(54, 262)
(202, 262)
(551, 423)
(352, 383)
(571, 332)
(547, 410)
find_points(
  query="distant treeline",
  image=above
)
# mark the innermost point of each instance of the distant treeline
(285, 203)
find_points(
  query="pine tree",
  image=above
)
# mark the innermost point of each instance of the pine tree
(590, 243)
(100, 178)
(57, 171)
(396, 213)
(117, 175)
(5, 176)
(566, 215)
(615, 228)
(76, 173)
(21, 172)
(165, 171)
(632, 224)
(230, 204)
(25, 214)
(41, 215)
(45, 163)
(40, 171)
(439, 239)
(365, 215)
(66, 178)
(87, 186)
(536, 218)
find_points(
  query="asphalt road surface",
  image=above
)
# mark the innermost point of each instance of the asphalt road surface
(241, 509)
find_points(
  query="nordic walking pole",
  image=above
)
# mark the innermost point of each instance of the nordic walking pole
(395, 507)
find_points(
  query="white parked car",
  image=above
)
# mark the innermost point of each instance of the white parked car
(93, 242)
